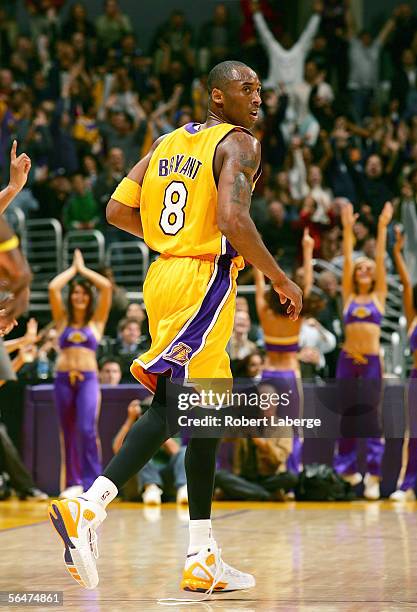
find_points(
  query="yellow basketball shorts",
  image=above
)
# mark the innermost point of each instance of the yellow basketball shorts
(190, 304)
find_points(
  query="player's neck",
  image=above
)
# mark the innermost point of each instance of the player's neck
(213, 119)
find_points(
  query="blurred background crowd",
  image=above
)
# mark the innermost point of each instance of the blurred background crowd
(85, 98)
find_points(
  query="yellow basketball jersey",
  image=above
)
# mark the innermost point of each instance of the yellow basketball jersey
(178, 203)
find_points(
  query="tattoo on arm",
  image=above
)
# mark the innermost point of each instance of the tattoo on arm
(241, 189)
(248, 162)
(242, 184)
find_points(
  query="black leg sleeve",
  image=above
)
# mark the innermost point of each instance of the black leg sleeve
(143, 440)
(200, 468)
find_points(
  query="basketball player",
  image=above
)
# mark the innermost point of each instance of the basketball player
(189, 199)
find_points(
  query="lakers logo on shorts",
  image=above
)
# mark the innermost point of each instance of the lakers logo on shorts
(179, 353)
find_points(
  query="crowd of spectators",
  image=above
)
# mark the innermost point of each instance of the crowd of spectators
(85, 99)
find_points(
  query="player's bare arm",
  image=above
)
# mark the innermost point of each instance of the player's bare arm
(19, 170)
(127, 218)
(239, 156)
(15, 279)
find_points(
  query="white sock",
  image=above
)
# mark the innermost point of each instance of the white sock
(102, 491)
(200, 535)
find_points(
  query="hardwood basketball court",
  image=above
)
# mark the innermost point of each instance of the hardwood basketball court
(305, 556)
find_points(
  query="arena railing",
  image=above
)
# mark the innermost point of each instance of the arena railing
(129, 262)
(90, 242)
(43, 238)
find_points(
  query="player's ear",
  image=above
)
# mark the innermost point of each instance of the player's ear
(217, 96)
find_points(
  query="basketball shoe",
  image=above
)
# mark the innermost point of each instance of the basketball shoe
(76, 521)
(206, 572)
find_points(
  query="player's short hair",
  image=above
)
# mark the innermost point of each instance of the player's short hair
(223, 73)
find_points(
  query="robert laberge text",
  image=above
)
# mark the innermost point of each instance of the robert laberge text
(243, 421)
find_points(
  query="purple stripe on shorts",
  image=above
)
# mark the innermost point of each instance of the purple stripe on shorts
(189, 341)
(282, 348)
(230, 250)
(413, 373)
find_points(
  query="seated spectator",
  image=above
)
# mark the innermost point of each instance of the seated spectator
(255, 332)
(37, 363)
(331, 315)
(81, 211)
(239, 345)
(9, 368)
(251, 366)
(258, 470)
(129, 344)
(110, 371)
(135, 311)
(315, 340)
(164, 471)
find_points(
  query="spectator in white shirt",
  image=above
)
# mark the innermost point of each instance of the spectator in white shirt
(286, 66)
(315, 341)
